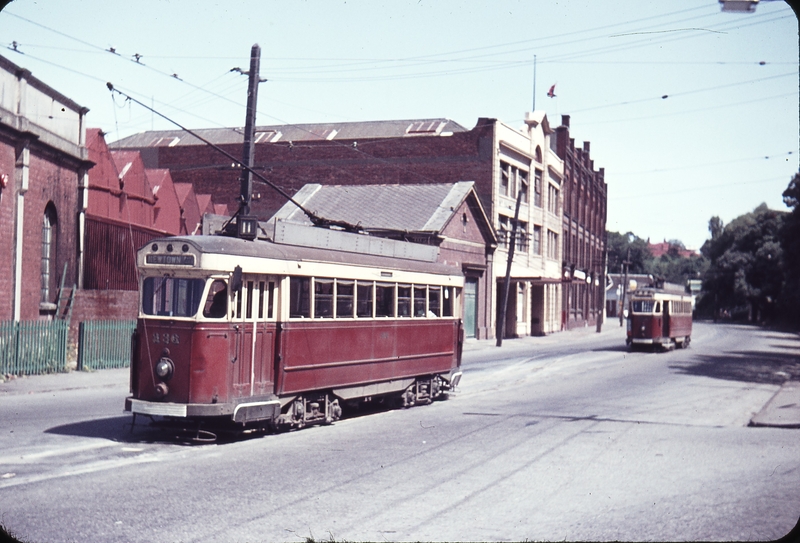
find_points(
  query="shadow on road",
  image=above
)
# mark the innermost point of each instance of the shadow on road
(773, 368)
(113, 428)
(621, 348)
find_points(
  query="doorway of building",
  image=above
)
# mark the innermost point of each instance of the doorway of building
(471, 306)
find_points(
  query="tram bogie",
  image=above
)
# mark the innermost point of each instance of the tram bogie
(266, 335)
(659, 318)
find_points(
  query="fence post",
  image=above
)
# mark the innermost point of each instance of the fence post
(81, 330)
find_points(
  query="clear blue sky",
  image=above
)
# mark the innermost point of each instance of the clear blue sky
(724, 140)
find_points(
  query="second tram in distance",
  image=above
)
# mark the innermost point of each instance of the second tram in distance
(261, 334)
(660, 317)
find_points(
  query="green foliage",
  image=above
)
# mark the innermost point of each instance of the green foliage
(672, 267)
(618, 246)
(789, 304)
(745, 276)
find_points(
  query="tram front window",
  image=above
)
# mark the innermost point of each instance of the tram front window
(217, 301)
(644, 306)
(171, 296)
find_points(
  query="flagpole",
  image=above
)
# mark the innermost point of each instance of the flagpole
(534, 83)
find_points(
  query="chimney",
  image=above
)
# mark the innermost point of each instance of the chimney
(586, 146)
(565, 120)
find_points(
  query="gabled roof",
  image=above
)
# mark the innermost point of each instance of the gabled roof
(406, 208)
(296, 132)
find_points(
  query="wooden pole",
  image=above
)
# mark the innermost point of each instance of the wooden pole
(501, 319)
(249, 130)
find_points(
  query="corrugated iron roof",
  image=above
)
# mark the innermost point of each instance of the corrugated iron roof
(408, 208)
(296, 133)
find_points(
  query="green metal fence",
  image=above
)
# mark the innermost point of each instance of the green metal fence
(105, 344)
(33, 347)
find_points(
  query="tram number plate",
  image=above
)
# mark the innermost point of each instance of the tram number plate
(166, 338)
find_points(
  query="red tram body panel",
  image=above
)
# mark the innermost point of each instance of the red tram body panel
(254, 331)
(660, 317)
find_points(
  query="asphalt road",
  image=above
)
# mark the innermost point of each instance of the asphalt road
(564, 437)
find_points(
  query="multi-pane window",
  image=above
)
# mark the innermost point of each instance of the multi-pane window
(504, 233)
(48, 251)
(513, 181)
(552, 245)
(522, 177)
(505, 179)
(347, 299)
(537, 188)
(171, 296)
(552, 199)
(537, 239)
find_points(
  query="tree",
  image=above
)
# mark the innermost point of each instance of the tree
(789, 303)
(745, 275)
(618, 245)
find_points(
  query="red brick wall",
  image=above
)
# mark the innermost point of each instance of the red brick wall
(464, 156)
(51, 180)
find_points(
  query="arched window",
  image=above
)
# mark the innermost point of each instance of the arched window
(49, 244)
(537, 155)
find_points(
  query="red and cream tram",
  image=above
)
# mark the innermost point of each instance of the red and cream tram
(660, 317)
(273, 335)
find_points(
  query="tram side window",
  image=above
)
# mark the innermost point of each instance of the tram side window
(299, 297)
(249, 306)
(434, 301)
(384, 300)
(364, 300)
(344, 299)
(217, 302)
(266, 298)
(323, 298)
(449, 302)
(171, 296)
(403, 300)
(419, 301)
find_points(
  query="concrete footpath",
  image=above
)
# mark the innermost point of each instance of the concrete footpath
(782, 411)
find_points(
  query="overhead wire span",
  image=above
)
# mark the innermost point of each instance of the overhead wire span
(313, 217)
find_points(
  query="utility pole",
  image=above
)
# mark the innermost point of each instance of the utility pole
(626, 264)
(601, 294)
(247, 225)
(501, 321)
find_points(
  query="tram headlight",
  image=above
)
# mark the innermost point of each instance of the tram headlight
(165, 368)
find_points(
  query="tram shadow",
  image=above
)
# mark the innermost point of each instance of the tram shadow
(118, 429)
(771, 368)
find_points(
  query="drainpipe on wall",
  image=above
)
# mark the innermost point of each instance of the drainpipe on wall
(22, 175)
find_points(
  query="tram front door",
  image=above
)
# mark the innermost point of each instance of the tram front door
(254, 321)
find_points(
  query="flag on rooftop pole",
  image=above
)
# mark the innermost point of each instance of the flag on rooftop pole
(552, 92)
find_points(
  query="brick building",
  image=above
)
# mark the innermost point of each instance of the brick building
(504, 162)
(43, 171)
(584, 231)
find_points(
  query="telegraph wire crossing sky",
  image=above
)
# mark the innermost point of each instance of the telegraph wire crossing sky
(693, 112)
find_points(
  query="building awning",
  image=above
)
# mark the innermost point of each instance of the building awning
(523, 273)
